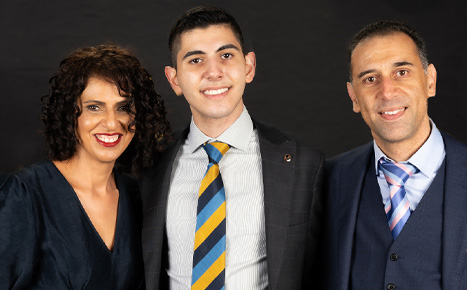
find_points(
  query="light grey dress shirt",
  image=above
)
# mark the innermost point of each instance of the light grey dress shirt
(241, 172)
(427, 159)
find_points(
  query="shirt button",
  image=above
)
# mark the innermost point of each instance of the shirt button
(394, 257)
(391, 286)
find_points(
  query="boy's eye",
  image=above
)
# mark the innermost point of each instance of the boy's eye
(195, 60)
(227, 55)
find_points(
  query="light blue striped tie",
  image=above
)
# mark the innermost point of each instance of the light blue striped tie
(398, 210)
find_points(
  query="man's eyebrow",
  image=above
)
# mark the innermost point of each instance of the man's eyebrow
(396, 64)
(193, 52)
(227, 46)
(365, 72)
(402, 63)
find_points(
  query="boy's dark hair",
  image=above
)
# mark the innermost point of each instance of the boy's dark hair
(200, 17)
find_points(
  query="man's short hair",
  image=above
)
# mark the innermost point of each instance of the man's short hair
(384, 28)
(200, 17)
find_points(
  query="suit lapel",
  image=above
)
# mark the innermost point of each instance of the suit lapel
(455, 216)
(278, 175)
(155, 188)
(353, 170)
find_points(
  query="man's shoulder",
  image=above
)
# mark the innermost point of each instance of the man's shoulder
(270, 133)
(352, 157)
(167, 156)
(453, 145)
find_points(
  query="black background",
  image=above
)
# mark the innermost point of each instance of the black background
(300, 83)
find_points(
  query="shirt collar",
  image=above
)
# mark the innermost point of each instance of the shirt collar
(237, 135)
(427, 158)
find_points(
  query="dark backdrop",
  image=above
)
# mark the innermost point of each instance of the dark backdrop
(301, 61)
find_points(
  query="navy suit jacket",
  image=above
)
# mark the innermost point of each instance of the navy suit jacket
(343, 185)
(292, 203)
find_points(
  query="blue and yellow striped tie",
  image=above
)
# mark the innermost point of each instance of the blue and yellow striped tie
(209, 250)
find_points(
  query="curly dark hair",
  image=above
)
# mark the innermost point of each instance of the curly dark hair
(118, 66)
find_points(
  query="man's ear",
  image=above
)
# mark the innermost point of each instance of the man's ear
(431, 80)
(353, 97)
(171, 75)
(250, 62)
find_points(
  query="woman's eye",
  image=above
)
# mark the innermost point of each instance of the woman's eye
(125, 108)
(92, 107)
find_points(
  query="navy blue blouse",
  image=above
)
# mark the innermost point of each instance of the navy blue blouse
(47, 241)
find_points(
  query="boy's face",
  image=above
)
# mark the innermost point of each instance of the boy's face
(211, 73)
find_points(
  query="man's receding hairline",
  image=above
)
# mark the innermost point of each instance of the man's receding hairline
(382, 35)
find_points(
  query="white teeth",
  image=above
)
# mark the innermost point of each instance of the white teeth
(394, 112)
(107, 138)
(215, 92)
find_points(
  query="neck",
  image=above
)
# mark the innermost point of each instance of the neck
(86, 176)
(402, 150)
(214, 127)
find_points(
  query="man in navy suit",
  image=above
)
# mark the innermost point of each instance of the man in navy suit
(272, 183)
(386, 231)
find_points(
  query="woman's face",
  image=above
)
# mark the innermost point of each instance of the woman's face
(102, 127)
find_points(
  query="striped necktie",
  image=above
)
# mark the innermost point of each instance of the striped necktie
(209, 250)
(398, 210)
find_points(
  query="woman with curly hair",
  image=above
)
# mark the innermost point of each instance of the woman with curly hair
(74, 221)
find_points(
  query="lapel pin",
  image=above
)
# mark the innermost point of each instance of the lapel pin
(287, 157)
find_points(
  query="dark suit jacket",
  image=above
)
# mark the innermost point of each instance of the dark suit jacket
(343, 186)
(292, 202)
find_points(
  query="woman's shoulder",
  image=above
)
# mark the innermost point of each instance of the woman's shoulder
(33, 171)
(22, 181)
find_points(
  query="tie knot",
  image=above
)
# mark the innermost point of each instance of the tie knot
(216, 150)
(396, 173)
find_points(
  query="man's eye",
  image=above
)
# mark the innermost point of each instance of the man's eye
(370, 79)
(402, 73)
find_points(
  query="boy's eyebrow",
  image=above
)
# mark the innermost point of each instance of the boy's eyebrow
(227, 46)
(195, 52)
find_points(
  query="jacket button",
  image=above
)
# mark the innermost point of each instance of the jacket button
(287, 157)
(391, 286)
(394, 257)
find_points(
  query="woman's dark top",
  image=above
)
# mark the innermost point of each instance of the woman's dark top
(47, 241)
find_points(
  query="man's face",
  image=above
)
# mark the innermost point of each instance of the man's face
(211, 73)
(390, 88)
